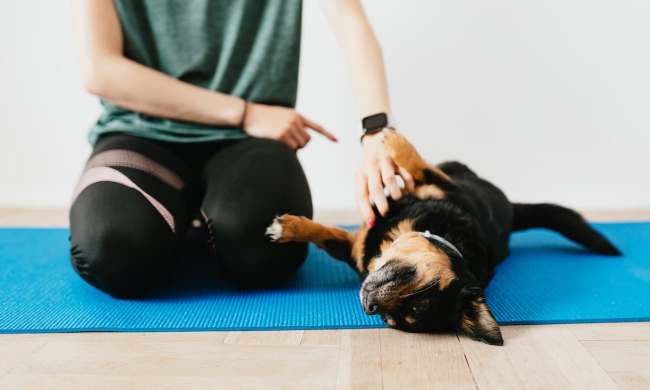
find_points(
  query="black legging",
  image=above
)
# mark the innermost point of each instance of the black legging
(137, 200)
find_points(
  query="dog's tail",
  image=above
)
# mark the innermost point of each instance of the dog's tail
(564, 221)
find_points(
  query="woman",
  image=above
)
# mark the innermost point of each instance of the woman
(198, 120)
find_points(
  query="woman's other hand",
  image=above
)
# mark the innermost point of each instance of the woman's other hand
(378, 170)
(281, 123)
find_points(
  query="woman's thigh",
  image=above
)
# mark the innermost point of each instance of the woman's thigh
(248, 183)
(127, 215)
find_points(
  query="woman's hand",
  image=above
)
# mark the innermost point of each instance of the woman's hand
(378, 170)
(282, 124)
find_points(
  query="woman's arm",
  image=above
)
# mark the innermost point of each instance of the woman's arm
(366, 67)
(112, 76)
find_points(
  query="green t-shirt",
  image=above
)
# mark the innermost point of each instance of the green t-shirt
(245, 48)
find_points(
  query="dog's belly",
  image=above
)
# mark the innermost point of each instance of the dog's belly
(492, 211)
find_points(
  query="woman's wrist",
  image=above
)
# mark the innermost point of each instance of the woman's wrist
(244, 112)
(223, 110)
(368, 140)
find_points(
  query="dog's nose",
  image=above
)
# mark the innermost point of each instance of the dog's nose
(371, 309)
(370, 304)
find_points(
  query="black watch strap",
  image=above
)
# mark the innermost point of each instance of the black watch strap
(374, 123)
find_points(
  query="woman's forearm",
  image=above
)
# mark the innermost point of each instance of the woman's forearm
(362, 53)
(127, 83)
(366, 67)
(142, 89)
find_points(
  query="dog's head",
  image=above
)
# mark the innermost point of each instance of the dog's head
(418, 286)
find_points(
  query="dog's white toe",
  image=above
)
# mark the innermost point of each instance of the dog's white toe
(274, 231)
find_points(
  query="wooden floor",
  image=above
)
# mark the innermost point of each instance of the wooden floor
(591, 356)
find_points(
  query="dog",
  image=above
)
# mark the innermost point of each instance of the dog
(425, 264)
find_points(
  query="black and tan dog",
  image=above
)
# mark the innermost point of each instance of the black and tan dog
(425, 264)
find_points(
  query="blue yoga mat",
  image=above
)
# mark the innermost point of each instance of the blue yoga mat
(545, 280)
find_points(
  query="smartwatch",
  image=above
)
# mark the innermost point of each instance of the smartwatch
(374, 123)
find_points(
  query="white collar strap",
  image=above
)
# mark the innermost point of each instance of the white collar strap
(442, 241)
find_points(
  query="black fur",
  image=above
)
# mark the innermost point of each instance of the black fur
(564, 221)
(477, 218)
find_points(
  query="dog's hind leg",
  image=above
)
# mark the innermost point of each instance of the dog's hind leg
(404, 154)
(336, 241)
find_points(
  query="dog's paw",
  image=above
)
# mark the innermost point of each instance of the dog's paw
(283, 228)
(274, 231)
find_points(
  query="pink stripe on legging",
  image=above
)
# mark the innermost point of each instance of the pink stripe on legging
(98, 174)
(130, 159)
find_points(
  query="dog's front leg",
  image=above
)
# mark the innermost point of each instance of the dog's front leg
(337, 242)
(404, 154)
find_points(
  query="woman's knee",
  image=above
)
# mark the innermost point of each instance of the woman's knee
(119, 264)
(283, 178)
(263, 178)
(124, 257)
(258, 176)
(247, 255)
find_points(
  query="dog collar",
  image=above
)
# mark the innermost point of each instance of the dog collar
(442, 241)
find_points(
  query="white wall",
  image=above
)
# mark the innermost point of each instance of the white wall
(547, 99)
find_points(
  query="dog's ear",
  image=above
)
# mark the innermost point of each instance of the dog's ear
(475, 318)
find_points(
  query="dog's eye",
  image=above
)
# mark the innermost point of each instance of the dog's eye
(419, 307)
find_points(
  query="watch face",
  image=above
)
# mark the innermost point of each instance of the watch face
(377, 121)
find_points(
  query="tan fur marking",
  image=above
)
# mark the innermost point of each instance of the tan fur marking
(485, 318)
(337, 242)
(467, 324)
(401, 229)
(431, 263)
(485, 321)
(404, 226)
(358, 247)
(409, 320)
(372, 265)
(295, 228)
(405, 155)
(428, 191)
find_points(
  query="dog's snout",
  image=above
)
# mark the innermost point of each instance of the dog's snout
(369, 302)
(381, 288)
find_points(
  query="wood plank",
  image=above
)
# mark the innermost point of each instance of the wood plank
(621, 355)
(631, 380)
(359, 360)
(16, 349)
(535, 357)
(7, 216)
(112, 382)
(490, 365)
(576, 364)
(34, 217)
(624, 331)
(423, 361)
(182, 356)
(321, 337)
(617, 215)
(291, 337)
(627, 362)
(337, 217)
(524, 355)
